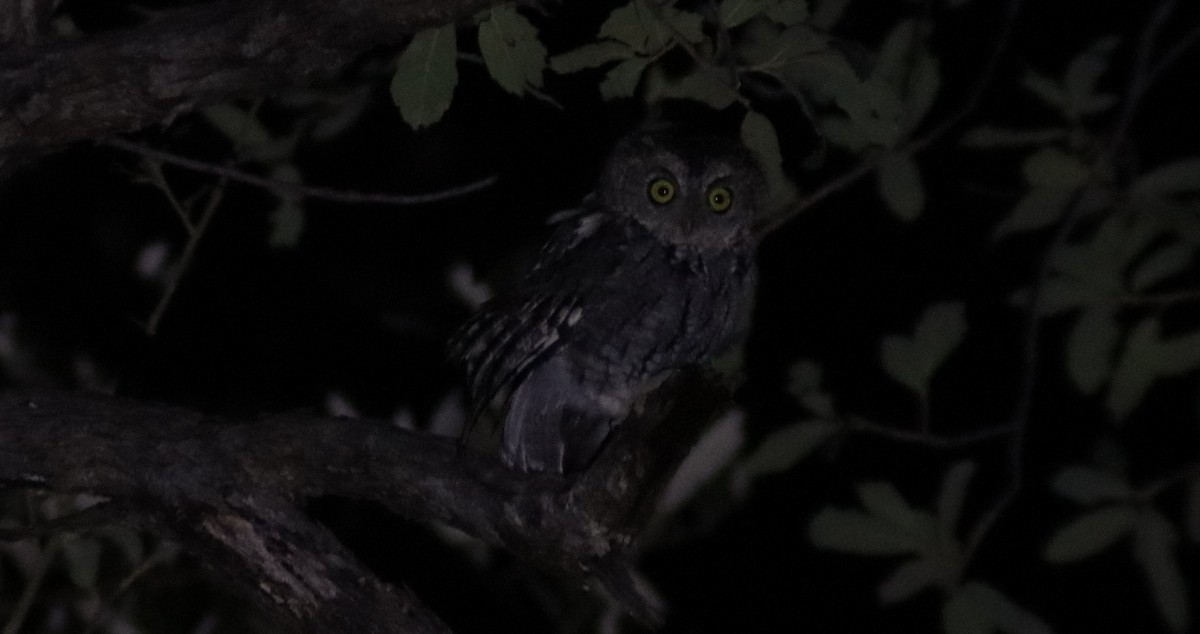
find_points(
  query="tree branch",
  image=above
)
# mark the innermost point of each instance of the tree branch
(232, 494)
(65, 90)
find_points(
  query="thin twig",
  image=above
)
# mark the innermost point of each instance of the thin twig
(159, 557)
(928, 439)
(298, 189)
(870, 163)
(1023, 410)
(189, 251)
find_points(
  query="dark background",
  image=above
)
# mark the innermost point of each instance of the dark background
(362, 307)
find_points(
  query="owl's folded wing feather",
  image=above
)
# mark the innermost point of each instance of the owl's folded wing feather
(515, 330)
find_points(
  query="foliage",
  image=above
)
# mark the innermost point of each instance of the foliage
(1103, 226)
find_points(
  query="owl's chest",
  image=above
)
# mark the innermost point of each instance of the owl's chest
(660, 306)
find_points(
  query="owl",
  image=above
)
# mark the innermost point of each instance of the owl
(655, 271)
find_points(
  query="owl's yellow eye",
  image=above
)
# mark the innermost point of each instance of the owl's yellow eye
(662, 190)
(720, 199)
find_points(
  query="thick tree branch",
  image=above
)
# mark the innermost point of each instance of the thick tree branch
(70, 89)
(231, 493)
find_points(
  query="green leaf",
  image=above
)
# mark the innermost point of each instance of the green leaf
(1164, 262)
(1174, 178)
(590, 56)
(786, 447)
(1178, 355)
(1083, 73)
(953, 494)
(425, 76)
(1090, 348)
(731, 13)
(924, 82)
(1051, 167)
(1047, 90)
(994, 137)
(908, 579)
(899, 181)
(82, 557)
(787, 12)
(828, 13)
(858, 533)
(638, 25)
(897, 53)
(884, 500)
(1154, 550)
(701, 84)
(1039, 208)
(1191, 511)
(979, 608)
(622, 80)
(1088, 485)
(238, 126)
(758, 135)
(913, 360)
(1136, 370)
(1090, 533)
(514, 56)
(287, 219)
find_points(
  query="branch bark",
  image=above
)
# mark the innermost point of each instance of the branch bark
(233, 492)
(66, 90)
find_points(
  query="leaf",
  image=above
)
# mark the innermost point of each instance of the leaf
(287, 219)
(1088, 485)
(622, 80)
(1051, 167)
(758, 135)
(786, 447)
(923, 85)
(425, 76)
(1163, 263)
(1083, 72)
(1191, 511)
(590, 56)
(896, 53)
(994, 137)
(912, 361)
(238, 126)
(638, 25)
(82, 557)
(731, 13)
(1041, 207)
(1047, 90)
(909, 578)
(787, 12)
(1154, 550)
(884, 500)
(1171, 179)
(1090, 348)
(512, 53)
(856, 532)
(828, 13)
(1090, 533)
(953, 494)
(1136, 371)
(979, 608)
(900, 186)
(1178, 355)
(701, 84)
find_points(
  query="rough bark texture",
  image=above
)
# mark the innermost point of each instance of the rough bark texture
(232, 493)
(68, 89)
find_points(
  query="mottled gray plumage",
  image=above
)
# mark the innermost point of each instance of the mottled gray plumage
(626, 290)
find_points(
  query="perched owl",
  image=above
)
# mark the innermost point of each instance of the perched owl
(653, 273)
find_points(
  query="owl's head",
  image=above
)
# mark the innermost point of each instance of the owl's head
(686, 188)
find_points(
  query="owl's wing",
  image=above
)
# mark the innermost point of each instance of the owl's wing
(511, 333)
